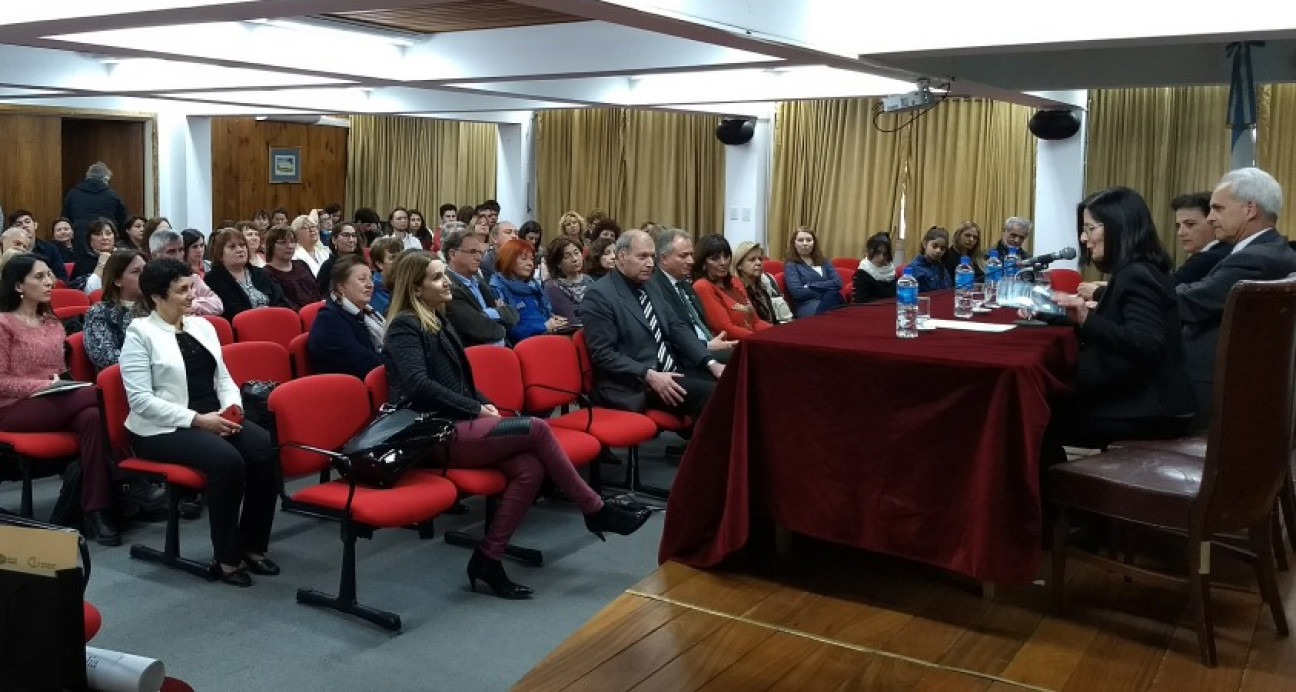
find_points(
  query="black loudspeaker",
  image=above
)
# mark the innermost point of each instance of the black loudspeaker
(1054, 124)
(735, 131)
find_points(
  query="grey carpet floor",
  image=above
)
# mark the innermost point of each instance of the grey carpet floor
(219, 637)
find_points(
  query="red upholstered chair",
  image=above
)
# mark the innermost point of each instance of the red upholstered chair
(68, 298)
(257, 360)
(79, 363)
(36, 455)
(848, 263)
(180, 480)
(70, 267)
(415, 499)
(847, 279)
(300, 355)
(1065, 280)
(95, 296)
(308, 313)
(900, 270)
(70, 311)
(772, 266)
(224, 332)
(278, 325)
(93, 620)
(782, 285)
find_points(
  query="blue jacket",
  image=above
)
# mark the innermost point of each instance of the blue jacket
(931, 276)
(339, 343)
(528, 298)
(812, 293)
(381, 299)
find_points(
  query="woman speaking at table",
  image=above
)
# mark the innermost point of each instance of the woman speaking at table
(1130, 377)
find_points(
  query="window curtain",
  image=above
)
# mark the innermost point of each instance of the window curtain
(1161, 142)
(419, 163)
(834, 172)
(1276, 146)
(636, 166)
(969, 160)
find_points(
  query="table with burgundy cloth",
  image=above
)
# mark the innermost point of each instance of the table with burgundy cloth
(926, 449)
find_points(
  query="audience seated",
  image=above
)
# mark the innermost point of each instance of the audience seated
(44, 249)
(165, 242)
(567, 284)
(368, 224)
(811, 280)
(346, 241)
(1244, 208)
(673, 277)
(601, 258)
(761, 290)
(398, 222)
(295, 277)
(252, 234)
(928, 267)
(155, 224)
(966, 242)
(725, 303)
(1196, 237)
(604, 229)
(499, 234)
(310, 249)
(876, 277)
(279, 217)
(419, 229)
(15, 239)
(533, 233)
(1130, 377)
(515, 283)
(1016, 231)
(87, 273)
(480, 226)
(644, 353)
(238, 284)
(31, 360)
(186, 410)
(63, 237)
(382, 255)
(132, 235)
(478, 315)
(195, 251)
(347, 332)
(106, 321)
(572, 227)
(428, 369)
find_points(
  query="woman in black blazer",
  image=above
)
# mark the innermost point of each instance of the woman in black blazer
(346, 333)
(1130, 376)
(239, 285)
(428, 371)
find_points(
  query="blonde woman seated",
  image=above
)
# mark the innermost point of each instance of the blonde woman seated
(761, 289)
(310, 249)
(428, 371)
(725, 303)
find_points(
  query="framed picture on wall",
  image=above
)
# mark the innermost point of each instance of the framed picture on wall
(285, 164)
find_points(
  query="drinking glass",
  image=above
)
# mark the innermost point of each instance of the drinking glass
(924, 312)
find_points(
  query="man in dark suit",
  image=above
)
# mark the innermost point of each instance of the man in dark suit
(1244, 208)
(44, 249)
(674, 270)
(1016, 231)
(1196, 237)
(476, 313)
(645, 355)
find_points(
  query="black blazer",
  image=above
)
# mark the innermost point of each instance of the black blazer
(621, 346)
(1201, 303)
(1198, 265)
(340, 343)
(663, 283)
(471, 322)
(429, 372)
(223, 284)
(1131, 362)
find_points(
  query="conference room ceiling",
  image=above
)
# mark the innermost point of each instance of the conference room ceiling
(495, 60)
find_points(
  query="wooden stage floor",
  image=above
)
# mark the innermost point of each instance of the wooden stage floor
(830, 618)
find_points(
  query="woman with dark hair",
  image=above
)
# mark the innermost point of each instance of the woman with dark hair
(346, 241)
(419, 229)
(399, 223)
(31, 361)
(566, 286)
(965, 241)
(62, 236)
(601, 258)
(604, 228)
(382, 257)
(238, 284)
(133, 235)
(195, 251)
(185, 409)
(428, 371)
(107, 320)
(515, 283)
(1130, 376)
(296, 281)
(154, 224)
(875, 279)
(87, 274)
(532, 233)
(811, 280)
(726, 306)
(347, 332)
(929, 266)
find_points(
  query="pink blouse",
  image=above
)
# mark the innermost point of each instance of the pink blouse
(30, 357)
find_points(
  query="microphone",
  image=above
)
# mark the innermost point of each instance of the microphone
(1066, 253)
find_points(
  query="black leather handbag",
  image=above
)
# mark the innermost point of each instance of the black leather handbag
(392, 443)
(256, 400)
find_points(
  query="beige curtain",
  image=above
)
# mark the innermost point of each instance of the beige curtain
(419, 163)
(969, 160)
(834, 172)
(1161, 142)
(636, 166)
(1276, 146)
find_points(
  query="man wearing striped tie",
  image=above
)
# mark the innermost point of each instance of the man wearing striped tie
(645, 354)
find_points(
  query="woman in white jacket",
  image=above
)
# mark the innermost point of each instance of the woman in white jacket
(186, 410)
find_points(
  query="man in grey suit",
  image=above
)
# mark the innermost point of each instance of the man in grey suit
(644, 353)
(478, 316)
(1244, 207)
(674, 269)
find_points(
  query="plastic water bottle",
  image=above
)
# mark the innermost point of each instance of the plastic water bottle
(1010, 264)
(907, 305)
(993, 273)
(963, 280)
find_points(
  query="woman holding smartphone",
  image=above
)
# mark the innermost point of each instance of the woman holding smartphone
(186, 410)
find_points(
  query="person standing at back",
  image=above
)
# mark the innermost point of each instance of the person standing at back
(91, 199)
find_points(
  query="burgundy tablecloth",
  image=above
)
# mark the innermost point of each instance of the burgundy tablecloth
(922, 448)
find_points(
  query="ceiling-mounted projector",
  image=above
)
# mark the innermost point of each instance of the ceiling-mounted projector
(922, 97)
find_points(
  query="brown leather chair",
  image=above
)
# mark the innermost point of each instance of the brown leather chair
(1233, 486)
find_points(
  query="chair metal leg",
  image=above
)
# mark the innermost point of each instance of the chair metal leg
(1265, 575)
(345, 601)
(1287, 502)
(635, 485)
(25, 504)
(1275, 539)
(1061, 532)
(169, 556)
(1199, 599)
(464, 539)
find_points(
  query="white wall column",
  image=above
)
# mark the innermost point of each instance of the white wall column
(184, 170)
(1059, 183)
(513, 171)
(747, 186)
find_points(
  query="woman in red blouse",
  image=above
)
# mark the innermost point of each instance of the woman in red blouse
(724, 300)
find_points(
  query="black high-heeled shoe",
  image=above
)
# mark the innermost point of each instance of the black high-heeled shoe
(492, 572)
(614, 519)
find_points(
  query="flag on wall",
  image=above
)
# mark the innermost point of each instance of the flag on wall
(1242, 104)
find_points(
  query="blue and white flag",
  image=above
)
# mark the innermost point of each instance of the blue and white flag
(1242, 105)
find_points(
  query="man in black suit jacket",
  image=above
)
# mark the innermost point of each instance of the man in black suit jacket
(638, 365)
(476, 313)
(1244, 207)
(1196, 237)
(1016, 231)
(674, 269)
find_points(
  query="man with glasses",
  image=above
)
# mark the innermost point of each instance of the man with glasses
(478, 316)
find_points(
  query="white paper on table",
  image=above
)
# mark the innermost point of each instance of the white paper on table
(991, 327)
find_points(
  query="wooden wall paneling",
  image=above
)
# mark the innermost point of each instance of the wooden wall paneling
(241, 167)
(118, 143)
(30, 169)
